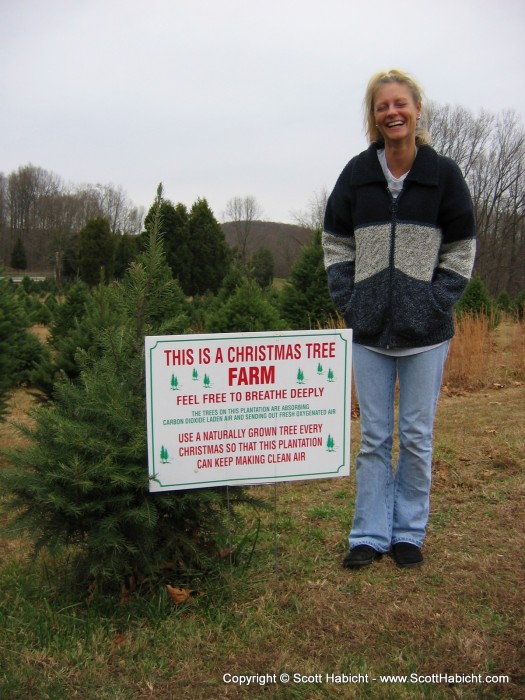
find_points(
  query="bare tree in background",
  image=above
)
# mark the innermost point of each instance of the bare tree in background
(37, 207)
(500, 207)
(3, 203)
(30, 195)
(458, 134)
(313, 217)
(243, 212)
(116, 206)
(490, 150)
(29, 191)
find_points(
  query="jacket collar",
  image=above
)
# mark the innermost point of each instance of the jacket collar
(367, 168)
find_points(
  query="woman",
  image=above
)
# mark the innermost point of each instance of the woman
(399, 247)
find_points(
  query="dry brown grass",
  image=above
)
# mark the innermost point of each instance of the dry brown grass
(510, 349)
(480, 355)
(41, 332)
(19, 405)
(470, 361)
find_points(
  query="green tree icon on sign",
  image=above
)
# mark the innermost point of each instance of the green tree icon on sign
(319, 368)
(194, 374)
(330, 375)
(330, 444)
(206, 381)
(164, 455)
(174, 383)
(300, 376)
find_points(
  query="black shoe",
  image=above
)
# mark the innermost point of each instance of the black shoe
(362, 555)
(407, 555)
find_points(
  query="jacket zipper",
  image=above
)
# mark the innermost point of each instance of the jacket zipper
(394, 206)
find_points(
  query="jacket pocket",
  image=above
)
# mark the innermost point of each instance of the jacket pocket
(367, 310)
(416, 314)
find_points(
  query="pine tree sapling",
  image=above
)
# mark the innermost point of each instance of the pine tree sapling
(18, 256)
(504, 302)
(126, 250)
(96, 251)
(176, 237)
(476, 301)
(305, 302)
(247, 310)
(519, 306)
(71, 308)
(210, 255)
(262, 267)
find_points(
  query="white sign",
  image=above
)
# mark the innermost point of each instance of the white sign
(248, 408)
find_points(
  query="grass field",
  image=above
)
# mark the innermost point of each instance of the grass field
(287, 606)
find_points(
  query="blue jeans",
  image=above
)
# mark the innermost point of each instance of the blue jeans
(394, 508)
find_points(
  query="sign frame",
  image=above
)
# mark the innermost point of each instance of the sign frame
(222, 409)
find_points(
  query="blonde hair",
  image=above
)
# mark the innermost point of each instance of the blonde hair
(381, 78)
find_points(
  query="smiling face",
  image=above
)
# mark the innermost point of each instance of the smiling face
(396, 113)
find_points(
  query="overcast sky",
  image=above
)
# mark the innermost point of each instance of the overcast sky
(223, 98)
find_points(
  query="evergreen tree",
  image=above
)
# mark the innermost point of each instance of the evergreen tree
(476, 300)
(181, 257)
(77, 327)
(305, 302)
(504, 302)
(72, 308)
(176, 236)
(69, 262)
(210, 256)
(127, 247)
(52, 304)
(20, 292)
(234, 278)
(204, 307)
(83, 480)
(20, 350)
(96, 251)
(11, 327)
(262, 267)
(247, 310)
(34, 305)
(18, 256)
(519, 306)
(41, 313)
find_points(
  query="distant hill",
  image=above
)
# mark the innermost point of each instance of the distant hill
(283, 240)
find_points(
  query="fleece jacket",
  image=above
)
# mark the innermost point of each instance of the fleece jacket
(396, 267)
